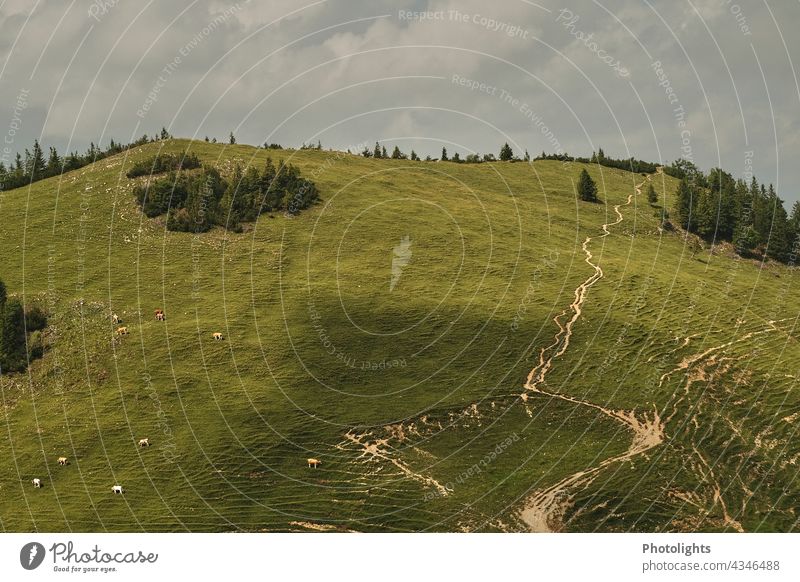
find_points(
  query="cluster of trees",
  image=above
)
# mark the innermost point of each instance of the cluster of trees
(34, 165)
(163, 163)
(20, 333)
(506, 155)
(196, 201)
(627, 164)
(751, 216)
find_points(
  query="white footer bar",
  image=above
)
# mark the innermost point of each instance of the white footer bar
(400, 557)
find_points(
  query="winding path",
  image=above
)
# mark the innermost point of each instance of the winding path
(544, 508)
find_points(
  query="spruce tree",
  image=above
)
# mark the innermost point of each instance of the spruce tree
(377, 154)
(704, 215)
(683, 204)
(38, 165)
(53, 163)
(444, 155)
(779, 239)
(795, 215)
(506, 153)
(13, 357)
(587, 190)
(397, 154)
(762, 214)
(652, 196)
(414, 156)
(794, 226)
(383, 152)
(232, 139)
(723, 190)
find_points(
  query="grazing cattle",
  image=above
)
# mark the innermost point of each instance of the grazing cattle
(63, 461)
(115, 318)
(122, 331)
(37, 483)
(117, 489)
(218, 336)
(313, 463)
(160, 315)
(144, 442)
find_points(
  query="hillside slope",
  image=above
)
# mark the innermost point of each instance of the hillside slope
(398, 332)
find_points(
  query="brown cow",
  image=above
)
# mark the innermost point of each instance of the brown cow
(122, 331)
(160, 315)
(63, 461)
(314, 463)
(217, 336)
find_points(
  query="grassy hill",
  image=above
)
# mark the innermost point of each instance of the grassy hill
(390, 332)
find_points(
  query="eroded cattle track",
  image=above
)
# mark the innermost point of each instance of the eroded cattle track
(544, 508)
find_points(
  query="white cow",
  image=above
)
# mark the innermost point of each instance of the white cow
(117, 489)
(144, 442)
(217, 336)
(37, 483)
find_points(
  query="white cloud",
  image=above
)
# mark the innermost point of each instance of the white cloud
(224, 65)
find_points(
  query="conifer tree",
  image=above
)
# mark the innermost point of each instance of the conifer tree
(703, 218)
(683, 204)
(53, 163)
(38, 165)
(506, 153)
(587, 190)
(13, 356)
(794, 224)
(652, 196)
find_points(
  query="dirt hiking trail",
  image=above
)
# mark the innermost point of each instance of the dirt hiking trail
(544, 509)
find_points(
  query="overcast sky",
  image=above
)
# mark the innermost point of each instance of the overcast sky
(348, 72)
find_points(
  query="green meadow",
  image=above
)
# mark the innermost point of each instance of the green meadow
(400, 366)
